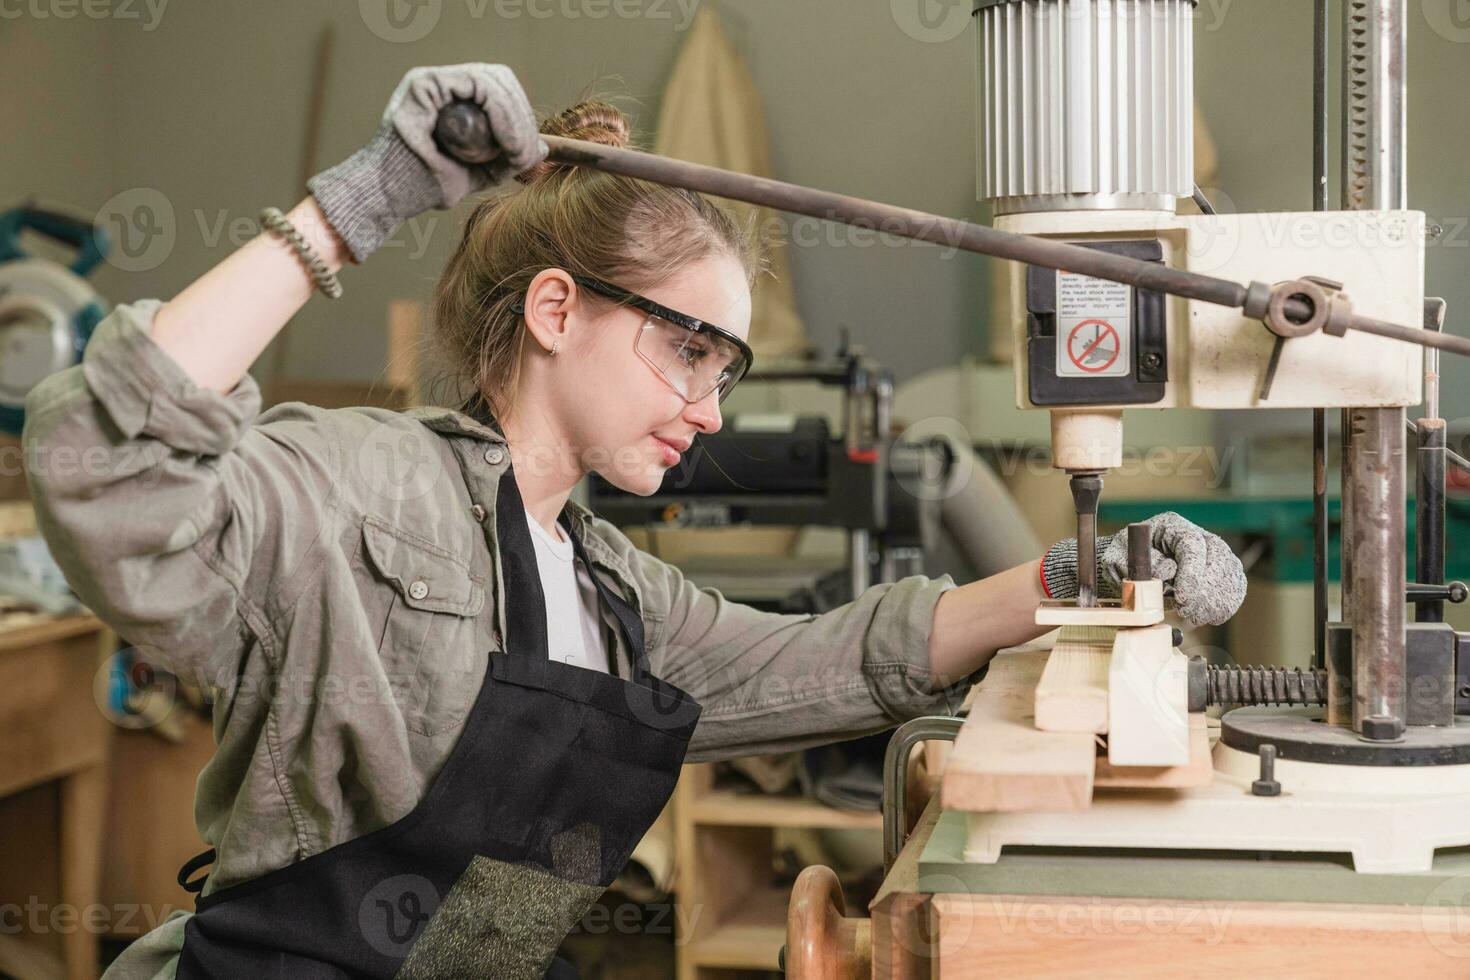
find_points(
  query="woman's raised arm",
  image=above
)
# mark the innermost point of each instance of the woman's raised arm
(219, 325)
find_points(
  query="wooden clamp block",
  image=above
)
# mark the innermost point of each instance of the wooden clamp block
(1142, 605)
(1148, 699)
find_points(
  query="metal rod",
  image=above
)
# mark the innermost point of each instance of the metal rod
(1321, 532)
(1086, 559)
(1429, 491)
(1345, 517)
(1321, 540)
(1429, 510)
(1451, 457)
(952, 232)
(1086, 489)
(860, 568)
(1376, 484)
(1319, 107)
(1374, 156)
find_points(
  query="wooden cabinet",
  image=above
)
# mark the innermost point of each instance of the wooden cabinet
(732, 916)
(54, 746)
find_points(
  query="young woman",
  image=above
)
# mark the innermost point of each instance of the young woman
(448, 701)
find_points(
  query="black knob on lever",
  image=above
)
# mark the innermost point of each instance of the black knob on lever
(1455, 592)
(462, 132)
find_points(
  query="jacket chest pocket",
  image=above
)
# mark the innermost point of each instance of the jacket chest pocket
(432, 647)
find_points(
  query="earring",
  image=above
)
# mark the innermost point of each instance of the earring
(555, 346)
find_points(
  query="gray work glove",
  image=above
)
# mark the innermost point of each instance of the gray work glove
(401, 173)
(1198, 569)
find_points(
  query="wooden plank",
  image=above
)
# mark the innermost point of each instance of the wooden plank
(726, 807)
(1198, 771)
(19, 631)
(405, 337)
(1072, 695)
(49, 723)
(1021, 936)
(17, 519)
(1001, 762)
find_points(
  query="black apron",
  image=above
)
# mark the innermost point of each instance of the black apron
(556, 776)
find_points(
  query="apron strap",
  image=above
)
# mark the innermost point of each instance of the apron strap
(195, 863)
(631, 622)
(525, 612)
(525, 602)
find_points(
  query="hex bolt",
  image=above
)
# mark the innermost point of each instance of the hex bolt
(1382, 728)
(1267, 784)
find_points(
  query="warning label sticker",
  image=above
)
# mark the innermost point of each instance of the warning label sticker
(1093, 327)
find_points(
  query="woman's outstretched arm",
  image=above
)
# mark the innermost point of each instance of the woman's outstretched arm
(973, 621)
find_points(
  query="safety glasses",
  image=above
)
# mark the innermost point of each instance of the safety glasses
(694, 357)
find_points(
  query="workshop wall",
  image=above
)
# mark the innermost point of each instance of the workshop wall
(206, 104)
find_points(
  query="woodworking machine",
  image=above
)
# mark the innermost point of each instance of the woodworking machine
(1086, 137)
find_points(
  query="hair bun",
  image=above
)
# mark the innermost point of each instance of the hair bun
(593, 121)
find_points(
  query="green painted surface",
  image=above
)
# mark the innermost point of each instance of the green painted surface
(1287, 523)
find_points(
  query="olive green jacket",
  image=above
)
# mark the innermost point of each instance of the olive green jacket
(331, 579)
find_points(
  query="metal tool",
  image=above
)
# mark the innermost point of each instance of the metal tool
(1086, 489)
(470, 142)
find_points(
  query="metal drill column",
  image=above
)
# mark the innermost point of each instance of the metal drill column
(1374, 168)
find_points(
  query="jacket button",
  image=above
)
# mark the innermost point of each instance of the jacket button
(478, 511)
(493, 456)
(418, 590)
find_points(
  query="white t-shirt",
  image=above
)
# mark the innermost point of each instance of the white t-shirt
(573, 624)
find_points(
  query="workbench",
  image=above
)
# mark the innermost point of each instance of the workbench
(54, 743)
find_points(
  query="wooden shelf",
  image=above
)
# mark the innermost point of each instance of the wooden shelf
(726, 841)
(750, 939)
(732, 809)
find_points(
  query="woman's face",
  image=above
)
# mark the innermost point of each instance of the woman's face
(630, 423)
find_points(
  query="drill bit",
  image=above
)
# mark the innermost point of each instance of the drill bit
(1086, 488)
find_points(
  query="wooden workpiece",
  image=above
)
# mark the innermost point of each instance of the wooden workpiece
(1002, 762)
(1072, 694)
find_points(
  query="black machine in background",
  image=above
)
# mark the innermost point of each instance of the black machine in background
(784, 470)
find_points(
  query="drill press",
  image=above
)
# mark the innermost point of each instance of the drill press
(1367, 750)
